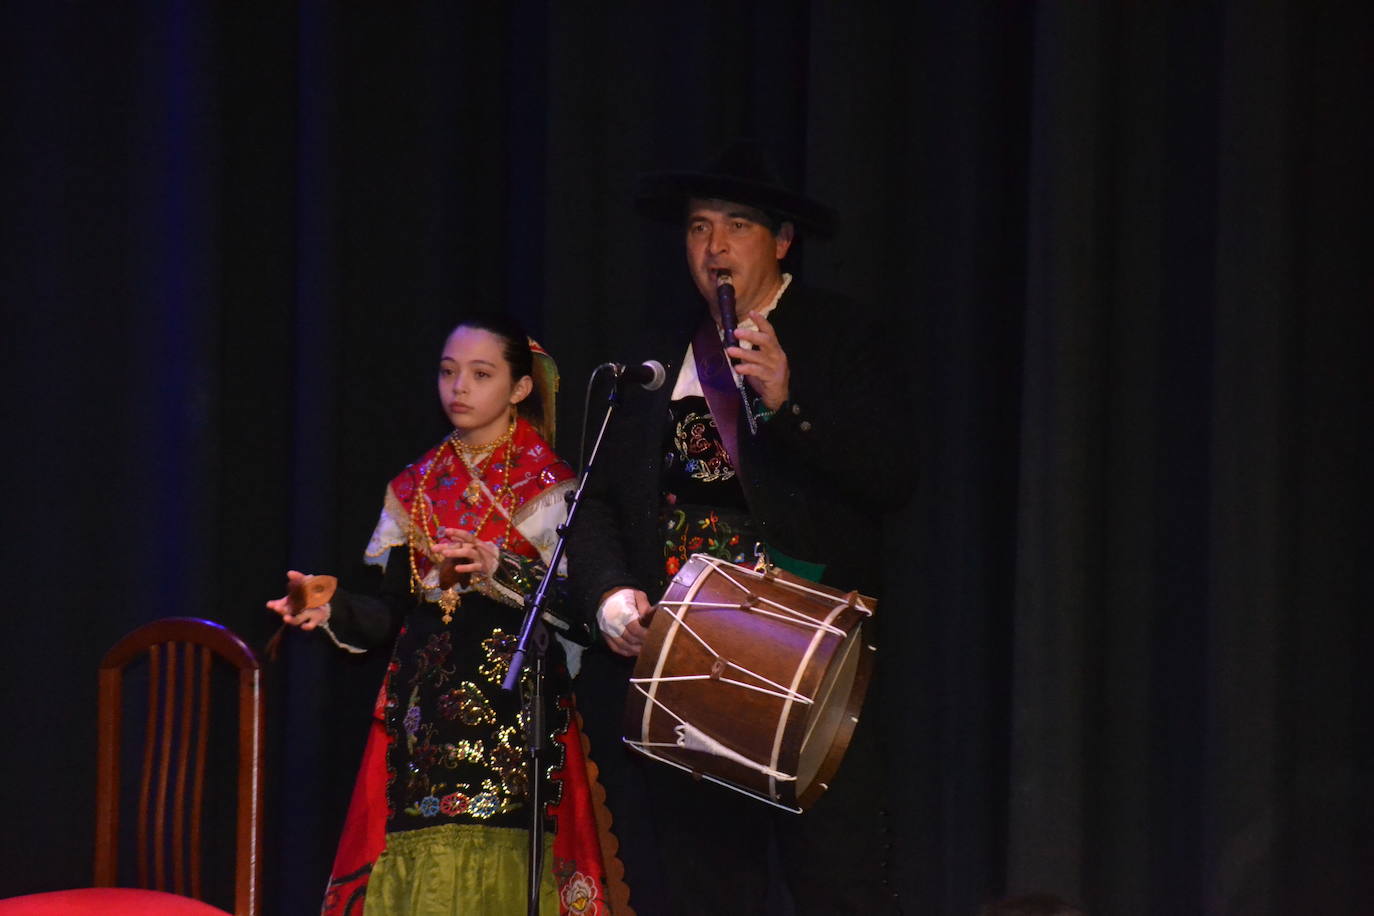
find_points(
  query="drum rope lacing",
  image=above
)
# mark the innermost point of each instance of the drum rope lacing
(780, 691)
(691, 738)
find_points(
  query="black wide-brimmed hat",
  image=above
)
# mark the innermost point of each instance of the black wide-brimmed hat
(743, 173)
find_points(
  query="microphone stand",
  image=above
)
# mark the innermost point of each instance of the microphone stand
(534, 634)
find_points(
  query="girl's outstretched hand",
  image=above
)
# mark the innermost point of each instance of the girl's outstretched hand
(306, 602)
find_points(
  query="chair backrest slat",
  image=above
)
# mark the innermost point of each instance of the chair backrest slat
(166, 737)
(145, 782)
(182, 749)
(198, 785)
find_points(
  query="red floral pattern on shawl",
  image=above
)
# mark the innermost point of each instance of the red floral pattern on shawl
(535, 468)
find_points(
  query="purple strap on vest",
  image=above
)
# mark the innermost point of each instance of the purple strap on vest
(718, 385)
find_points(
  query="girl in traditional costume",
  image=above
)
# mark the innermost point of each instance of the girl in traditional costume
(438, 821)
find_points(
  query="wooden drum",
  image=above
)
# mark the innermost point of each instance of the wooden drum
(751, 679)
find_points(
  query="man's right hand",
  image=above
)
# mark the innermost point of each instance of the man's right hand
(623, 618)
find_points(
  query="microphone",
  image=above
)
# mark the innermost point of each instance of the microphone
(649, 374)
(725, 299)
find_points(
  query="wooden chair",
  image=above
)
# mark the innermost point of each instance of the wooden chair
(181, 652)
(167, 835)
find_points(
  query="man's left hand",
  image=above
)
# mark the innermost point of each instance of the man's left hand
(765, 365)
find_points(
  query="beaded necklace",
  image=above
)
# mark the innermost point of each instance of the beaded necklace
(423, 520)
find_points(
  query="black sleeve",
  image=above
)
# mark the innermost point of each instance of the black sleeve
(612, 534)
(597, 559)
(369, 614)
(842, 417)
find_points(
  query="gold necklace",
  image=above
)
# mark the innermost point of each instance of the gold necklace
(422, 517)
(471, 456)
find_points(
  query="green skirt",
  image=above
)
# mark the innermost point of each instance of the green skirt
(458, 870)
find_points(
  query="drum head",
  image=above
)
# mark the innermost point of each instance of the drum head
(833, 720)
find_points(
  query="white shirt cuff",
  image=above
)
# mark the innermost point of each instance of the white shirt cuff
(324, 627)
(617, 611)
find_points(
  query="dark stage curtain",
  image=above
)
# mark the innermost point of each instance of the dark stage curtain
(1126, 611)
